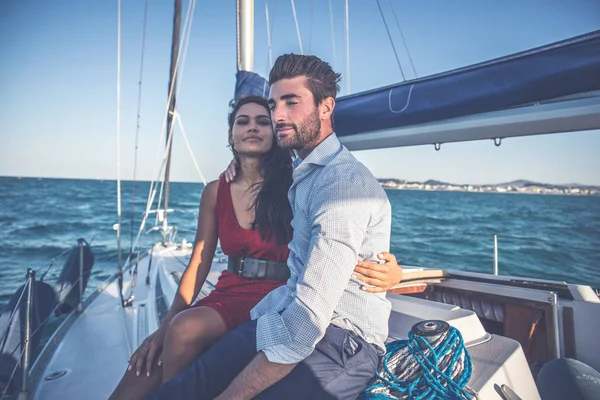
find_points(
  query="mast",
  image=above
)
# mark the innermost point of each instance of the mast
(245, 35)
(172, 99)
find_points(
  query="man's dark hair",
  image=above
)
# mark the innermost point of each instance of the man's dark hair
(322, 81)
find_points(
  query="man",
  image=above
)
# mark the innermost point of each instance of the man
(320, 335)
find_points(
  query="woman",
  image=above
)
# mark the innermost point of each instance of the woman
(251, 216)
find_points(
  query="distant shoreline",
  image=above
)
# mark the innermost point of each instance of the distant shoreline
(515, 187)
(491, 192)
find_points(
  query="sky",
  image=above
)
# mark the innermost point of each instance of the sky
(58, 73)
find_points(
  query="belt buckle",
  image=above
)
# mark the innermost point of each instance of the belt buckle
(242, 260)
(262, 269)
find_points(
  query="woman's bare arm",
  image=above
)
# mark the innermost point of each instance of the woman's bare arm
(204, 250)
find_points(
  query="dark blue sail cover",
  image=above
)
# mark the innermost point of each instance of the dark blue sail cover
(559, 69)
(249, 83)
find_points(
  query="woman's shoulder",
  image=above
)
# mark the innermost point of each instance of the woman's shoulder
(210, 190)
(212, 185)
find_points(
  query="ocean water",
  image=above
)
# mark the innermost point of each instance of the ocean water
(539, 236)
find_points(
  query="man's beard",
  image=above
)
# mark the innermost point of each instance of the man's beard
(305, 134)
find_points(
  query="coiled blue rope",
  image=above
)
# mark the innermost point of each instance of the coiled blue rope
(422, 369)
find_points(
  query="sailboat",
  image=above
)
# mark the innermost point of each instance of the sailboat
(508, 323)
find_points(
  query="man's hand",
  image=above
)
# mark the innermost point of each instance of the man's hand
(230, 172)
(382, 276)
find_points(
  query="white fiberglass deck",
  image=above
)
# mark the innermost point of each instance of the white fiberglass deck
(94, 351)
(91, 350)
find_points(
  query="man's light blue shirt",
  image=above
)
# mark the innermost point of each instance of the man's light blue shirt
(341, 215)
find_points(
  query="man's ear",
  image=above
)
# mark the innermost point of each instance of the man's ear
(326, 108)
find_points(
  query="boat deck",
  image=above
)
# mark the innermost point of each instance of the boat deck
(88, 354)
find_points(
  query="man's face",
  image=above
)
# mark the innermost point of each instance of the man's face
(294, 114)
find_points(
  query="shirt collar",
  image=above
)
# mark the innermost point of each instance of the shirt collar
(321, 154)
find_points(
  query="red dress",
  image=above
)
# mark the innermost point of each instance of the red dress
(233, 296)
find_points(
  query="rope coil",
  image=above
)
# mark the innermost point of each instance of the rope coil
(432, 364)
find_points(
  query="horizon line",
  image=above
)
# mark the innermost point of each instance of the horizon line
(379, 179)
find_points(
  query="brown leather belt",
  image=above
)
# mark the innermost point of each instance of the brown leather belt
(256, 268)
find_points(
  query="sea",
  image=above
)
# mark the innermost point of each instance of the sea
(553, 237)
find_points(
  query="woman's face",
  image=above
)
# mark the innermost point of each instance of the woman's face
(252, 132)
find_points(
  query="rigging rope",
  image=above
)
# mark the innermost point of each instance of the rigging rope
(166, 150)
(297, 27)
(424, 367)
(12, 316)
(186, 41)
(56, 307)
(332, 36)
(187, 143)
(152, 190)
(137, 131)
(51, 263)
(310, 30)
(403, 39)
(12, 375)
(186, 30)
(270, 53)
(347, 32)
(120, 266)
(391, 41)
(16, 310)
(270, 25)
(177, 78)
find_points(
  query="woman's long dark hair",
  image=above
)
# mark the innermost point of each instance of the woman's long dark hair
(272, 211)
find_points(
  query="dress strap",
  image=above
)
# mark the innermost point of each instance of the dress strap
(224, 206)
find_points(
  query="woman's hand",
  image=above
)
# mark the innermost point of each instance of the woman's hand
(149, 350)
(382, 277)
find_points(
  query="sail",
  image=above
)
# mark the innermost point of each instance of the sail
(250, 83)
(551, 89)
(517, 92)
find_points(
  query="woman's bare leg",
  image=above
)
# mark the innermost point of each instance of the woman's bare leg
(132, 387)
(191, 332)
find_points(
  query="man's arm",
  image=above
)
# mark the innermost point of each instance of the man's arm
(341, 211)
(338, 229)
(255, 378)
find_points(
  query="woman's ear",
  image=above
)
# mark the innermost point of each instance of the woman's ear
(230, 138)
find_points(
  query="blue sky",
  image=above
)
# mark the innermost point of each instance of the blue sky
(58, 74)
